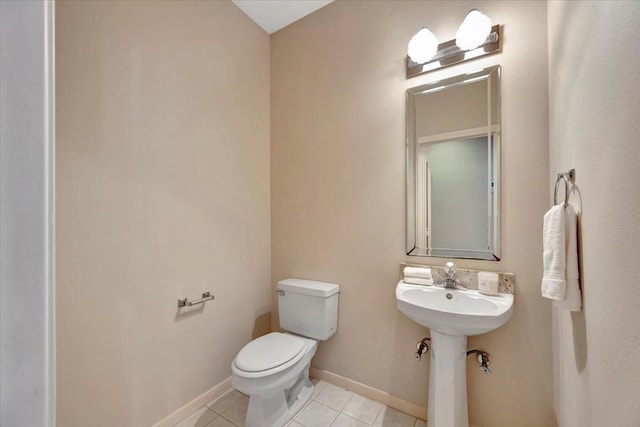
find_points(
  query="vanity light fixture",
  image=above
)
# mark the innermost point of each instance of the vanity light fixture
(475, 38)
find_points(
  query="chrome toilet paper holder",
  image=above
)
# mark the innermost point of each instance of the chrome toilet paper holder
(184, 302)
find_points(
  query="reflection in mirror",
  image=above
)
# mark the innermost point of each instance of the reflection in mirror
(453, 167)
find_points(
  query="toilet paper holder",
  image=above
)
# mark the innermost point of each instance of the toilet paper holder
(184, 302)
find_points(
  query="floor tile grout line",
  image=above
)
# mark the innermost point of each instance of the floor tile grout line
(233, 403)
(348, 400)
(351, 393)
(227, 419)
(377, 412)
(353, 418)
(327, 406)
(319, 403)
(219, 416)
(204, 407)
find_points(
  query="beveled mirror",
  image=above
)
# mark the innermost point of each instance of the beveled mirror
(453, 167)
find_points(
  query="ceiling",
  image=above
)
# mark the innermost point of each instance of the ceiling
(273, 15)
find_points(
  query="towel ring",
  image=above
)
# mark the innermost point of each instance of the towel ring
(566, 177)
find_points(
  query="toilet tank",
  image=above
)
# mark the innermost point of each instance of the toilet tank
(308, 308)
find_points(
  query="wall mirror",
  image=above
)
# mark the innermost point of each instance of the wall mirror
(453, 167)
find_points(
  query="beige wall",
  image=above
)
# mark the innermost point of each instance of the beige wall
(337, 168)
(162, 192)
(458, 108)
(594, 116)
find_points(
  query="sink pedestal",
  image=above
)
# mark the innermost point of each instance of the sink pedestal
(448, 381)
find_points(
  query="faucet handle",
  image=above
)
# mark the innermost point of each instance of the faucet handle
(450, 268)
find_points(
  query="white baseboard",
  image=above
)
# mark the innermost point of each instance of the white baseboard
(197, 403)
(371, 393)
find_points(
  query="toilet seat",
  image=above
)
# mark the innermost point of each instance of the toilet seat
(268, 355)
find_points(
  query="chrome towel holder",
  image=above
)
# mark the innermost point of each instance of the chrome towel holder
(567, 177)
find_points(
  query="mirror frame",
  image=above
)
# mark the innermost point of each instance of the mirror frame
(492, 254)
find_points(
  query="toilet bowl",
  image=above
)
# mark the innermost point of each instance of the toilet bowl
(274, 369)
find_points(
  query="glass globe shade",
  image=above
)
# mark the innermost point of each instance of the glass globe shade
(422, 46)
(473, 31)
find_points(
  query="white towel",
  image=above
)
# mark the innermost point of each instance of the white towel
(418, 281)
(554, 255)
(573, 298)
(424, 272)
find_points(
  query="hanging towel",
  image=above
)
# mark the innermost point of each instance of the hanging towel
(573, 298)
(554, 256)
(423, 272)
(418, 281)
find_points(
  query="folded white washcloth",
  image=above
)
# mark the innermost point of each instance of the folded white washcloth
(418, 281)
(424, 272)
(573, 297)
(553, 257)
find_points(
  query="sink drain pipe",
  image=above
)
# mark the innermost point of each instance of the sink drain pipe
(483, 359)
(422, 347)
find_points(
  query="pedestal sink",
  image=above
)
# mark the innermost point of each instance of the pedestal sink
(452, 315)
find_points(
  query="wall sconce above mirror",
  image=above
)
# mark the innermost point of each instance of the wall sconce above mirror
(475, 38)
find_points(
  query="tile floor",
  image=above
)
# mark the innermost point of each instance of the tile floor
(329, 406)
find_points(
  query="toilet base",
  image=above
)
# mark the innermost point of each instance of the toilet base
(278, 408)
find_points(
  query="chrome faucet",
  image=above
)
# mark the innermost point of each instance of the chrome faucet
(450, 277)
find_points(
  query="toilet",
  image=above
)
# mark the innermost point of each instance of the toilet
(274, 369)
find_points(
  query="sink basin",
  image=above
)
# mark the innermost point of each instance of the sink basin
(466, 312)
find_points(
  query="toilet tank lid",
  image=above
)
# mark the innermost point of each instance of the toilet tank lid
(308, 287)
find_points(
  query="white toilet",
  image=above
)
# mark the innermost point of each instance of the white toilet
(274, 369)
